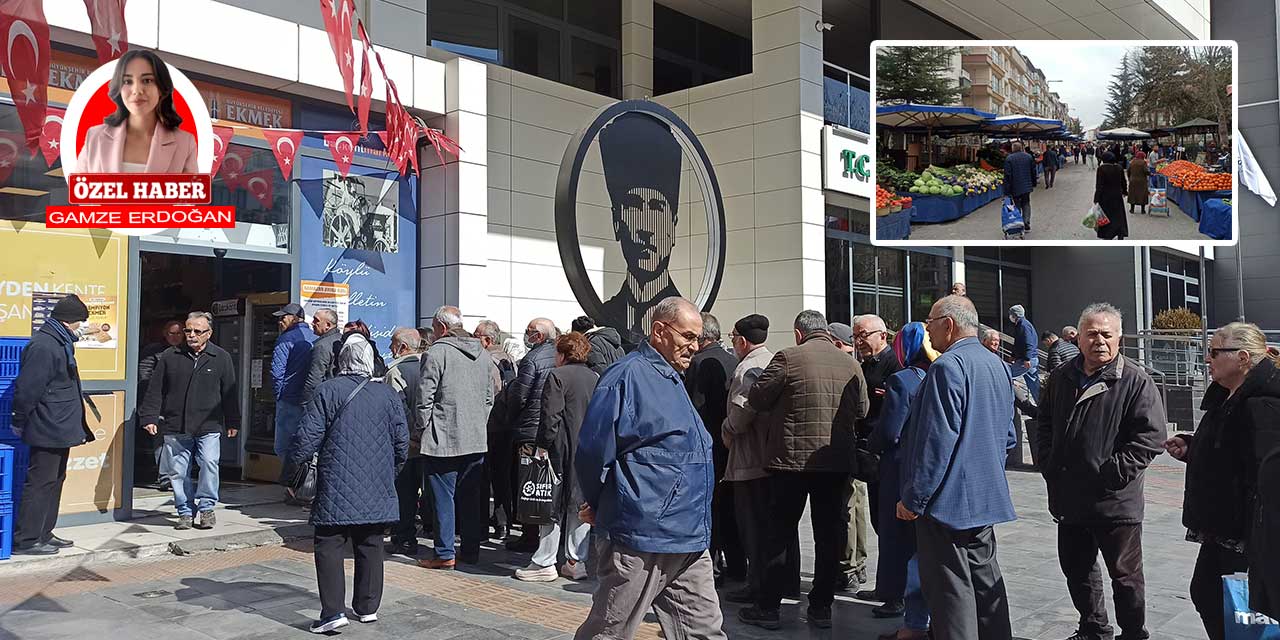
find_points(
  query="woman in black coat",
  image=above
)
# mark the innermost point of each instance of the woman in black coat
(565, 395)
(359, 430)
(1109, 192)
(1221, 498)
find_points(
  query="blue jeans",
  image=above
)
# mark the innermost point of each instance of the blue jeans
(187, 495)
(457, 486)
(288, 419)
(916, 616)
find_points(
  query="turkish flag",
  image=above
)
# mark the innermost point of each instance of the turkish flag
(25, 62)
(261, 185)
(391, 137)
(284, 144)
(409, 141)
(343, 148)
(233, 175)
(51, 135)
(337, 23)
(366, 82)
(10, 143)
(106, 23)
(221, 142)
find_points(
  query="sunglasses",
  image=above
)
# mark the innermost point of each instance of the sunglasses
(196, 332)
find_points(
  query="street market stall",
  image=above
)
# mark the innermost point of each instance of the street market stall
(1190, 186)
(1215, 218)
(929, 119)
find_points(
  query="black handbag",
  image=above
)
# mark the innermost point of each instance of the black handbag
(302, 482)
(866, 463)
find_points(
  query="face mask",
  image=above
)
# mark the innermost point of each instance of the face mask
(529, 343)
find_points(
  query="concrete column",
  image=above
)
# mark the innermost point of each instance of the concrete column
(637, 49)
(455, 206)
(790, 234)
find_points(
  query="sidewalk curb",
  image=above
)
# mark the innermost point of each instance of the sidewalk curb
(225, 542)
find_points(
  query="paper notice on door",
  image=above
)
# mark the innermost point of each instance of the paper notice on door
(255, 373)
(335, 296)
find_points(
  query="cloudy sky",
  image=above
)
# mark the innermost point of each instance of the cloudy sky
(1085, 72)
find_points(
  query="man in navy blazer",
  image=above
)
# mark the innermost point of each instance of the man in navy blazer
(953, 483)
(1020, 180)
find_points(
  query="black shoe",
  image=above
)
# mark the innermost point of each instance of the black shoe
(889, 609)
(845, 583)
(820, 617)
(60, 543)
(499, 533)
(523, 545)
(36, 550)
(763, 618)
(741, 596)
(402, 548)
(869, 595)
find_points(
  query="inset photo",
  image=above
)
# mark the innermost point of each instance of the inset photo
(1054, 142)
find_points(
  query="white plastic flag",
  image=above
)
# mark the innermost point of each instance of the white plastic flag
(1251, 174)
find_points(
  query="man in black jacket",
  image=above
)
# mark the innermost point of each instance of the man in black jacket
(1060, 351)
(606, 344)
(148, 356)
(324, 324)
(48, 414)
(191, 398)
(707, 381)
(1101, 423)
(524, 406)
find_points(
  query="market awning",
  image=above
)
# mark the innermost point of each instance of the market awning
(1159, 133)
(1123, 133)
(1020, 124)
(1197, 125)
(928, 116)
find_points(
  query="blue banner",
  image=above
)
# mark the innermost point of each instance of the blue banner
(359, 246)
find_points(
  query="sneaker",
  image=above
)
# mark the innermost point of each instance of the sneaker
(184, 522)
(820, 617)
(1081, 635)
(367, 617)
(574, 571)
(869, 595)
(61, 543)
(763, 618)
(889, 609)
(741, 596)
(325, 626)
(206, 520)
(437, 563)
(535, 573)
(42, 549)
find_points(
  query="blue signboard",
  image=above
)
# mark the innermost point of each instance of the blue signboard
(359, 246)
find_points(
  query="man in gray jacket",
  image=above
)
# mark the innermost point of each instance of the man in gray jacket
(324, 323)
(455, 395)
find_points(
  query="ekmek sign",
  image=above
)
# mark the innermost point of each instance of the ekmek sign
(847, 162)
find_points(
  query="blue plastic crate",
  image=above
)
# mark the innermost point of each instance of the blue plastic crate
(10, 354)
(6, 474)
(6, 530)
(21, 458)
(6, 409)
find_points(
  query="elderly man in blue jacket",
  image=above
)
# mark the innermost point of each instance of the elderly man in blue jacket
(644, 461)
(290, 361)
(953, 483)
(1020, 180)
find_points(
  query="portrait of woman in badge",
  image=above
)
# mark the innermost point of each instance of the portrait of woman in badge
(142, 135)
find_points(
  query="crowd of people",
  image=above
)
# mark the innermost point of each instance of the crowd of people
(687, 467)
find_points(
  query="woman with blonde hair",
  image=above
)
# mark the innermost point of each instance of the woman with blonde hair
(1221, 496)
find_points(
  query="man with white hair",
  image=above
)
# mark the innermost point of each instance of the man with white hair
(953, 482)
(644, 461)
(523, 399)
(1101, 423)
(991, 340)
(403, 375)
(455, 394)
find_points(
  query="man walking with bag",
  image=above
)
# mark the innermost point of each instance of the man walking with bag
(1020, 181)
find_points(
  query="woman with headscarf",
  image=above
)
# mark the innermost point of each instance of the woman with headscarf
(897, 576)
(1109, 192)
(1221, 499)
(1139, 181)
(565, 396)
(359, 431)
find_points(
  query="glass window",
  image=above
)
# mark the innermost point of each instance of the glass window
(848, 44)
(982, 282)
(930, 281)
(27, 185)
(549, 8)
(674, 32)
(891, 267)
(837, 280)
(601, 16)
(1177, 294)
(722, 49)
(903, 20)
(670, 76)
(535, 49)
(1159, 293)
(466, 28)
(596, 68)
(706, 52)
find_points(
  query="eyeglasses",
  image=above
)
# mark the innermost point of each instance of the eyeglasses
(866, 335)
(927, 321)
(196, 332)
(1213, 352)
(688, 336)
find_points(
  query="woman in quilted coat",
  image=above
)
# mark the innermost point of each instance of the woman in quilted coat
(360, 433)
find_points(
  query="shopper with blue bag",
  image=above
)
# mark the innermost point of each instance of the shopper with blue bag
(1011, 218)
(1221, 495)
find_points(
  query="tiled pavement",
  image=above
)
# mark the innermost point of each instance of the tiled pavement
(269, 592)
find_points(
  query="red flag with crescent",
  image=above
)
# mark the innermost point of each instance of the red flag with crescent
(284, 144)
(337, 23)
(106, 23)
(233, 169)
(51, 135)
(10, 154)
(221, 142)
(366, 81)
(343, 148)
(25, 62)
(261, 185)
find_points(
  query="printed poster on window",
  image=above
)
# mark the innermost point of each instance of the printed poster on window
(335, 296)
(102, 330)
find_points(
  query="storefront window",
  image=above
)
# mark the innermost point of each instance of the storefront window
(930, 281)
(1175, 282)
(688, 52)
(27, 185)
(837, 268)
(878, 279)
(595, 68)
(535, 49)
